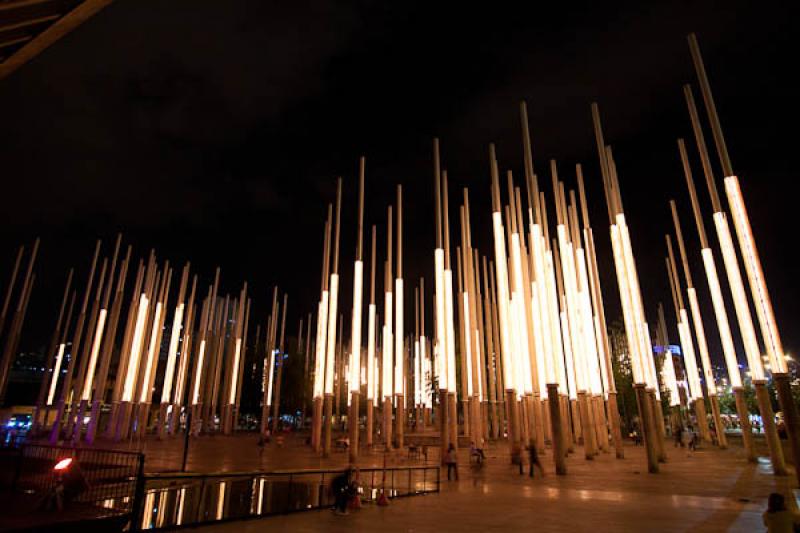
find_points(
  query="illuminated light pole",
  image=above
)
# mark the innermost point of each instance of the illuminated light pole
(528, 325)
(439, 310)
(355, 335)
(124, 356)
(689, 356)
(496, 429)
(699, 332)
(172, 350)
(537, 284)
(276, 402)
(229, 408)
(755, 274)
(720, 312)
(322, 328)
(574, 344)
(668, 371)
(55, 354)
(399, 333)
(505, 318)
(498, 359)
(449, 307)
(482, 354)
(72, 409)
(179, 394)
(596, 378)
(330, 355)
(59, 359)
(88, 370)
(76, 341)
(104, 363)
(386, 365)
(269, 362)
(600, 319)
(630, 295)
(134, 356)
(204, 356)
(147, 377)
(371, 325)
(736, 284)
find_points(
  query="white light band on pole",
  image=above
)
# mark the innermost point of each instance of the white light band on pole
(740, 303)
(355, 337)
(136, 348)
(56, 373)
(330, 358)
(98, 337)
(174, 338)
(371, 352)
(237, 350)
(721, 314)
(758, 285)
(399, 337)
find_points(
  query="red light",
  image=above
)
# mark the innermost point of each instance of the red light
(63, 464)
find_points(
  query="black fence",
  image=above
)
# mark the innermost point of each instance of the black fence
(108, 479)
(175, 500)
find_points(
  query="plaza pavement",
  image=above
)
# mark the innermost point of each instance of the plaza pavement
(704, 491)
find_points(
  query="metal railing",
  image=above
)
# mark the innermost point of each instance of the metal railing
(175, 500)
(111, 477)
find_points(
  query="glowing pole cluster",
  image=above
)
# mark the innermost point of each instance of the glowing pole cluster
(630, 295)
(759, 293)
(355, 335)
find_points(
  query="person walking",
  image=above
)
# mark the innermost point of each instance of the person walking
(452, 461)
(340, 487)
(533, 459)
(677, 432)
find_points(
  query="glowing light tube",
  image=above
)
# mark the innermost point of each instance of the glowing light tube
(399, 337)
(98, 337)
(625, 299)
(451, 333)
(545, 359)
(502, 298)
(136, 348)
(441, 334)
(144, 393)
(174, 338)
(668, 375)
(387, 367)
(467, 343)
(645, 350)
(701, 341)
(355, 336)
(56, 373)
(196, 389)
(322, 328)
(521, 311)
(721, 314)
(555, 324)
(758, 285)
(330, 358)
(270, 375)
(417, 372)
(371, 352)
(689, 357)
(237, 351)
(740, 304)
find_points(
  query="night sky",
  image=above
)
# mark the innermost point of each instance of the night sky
(214, 131)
